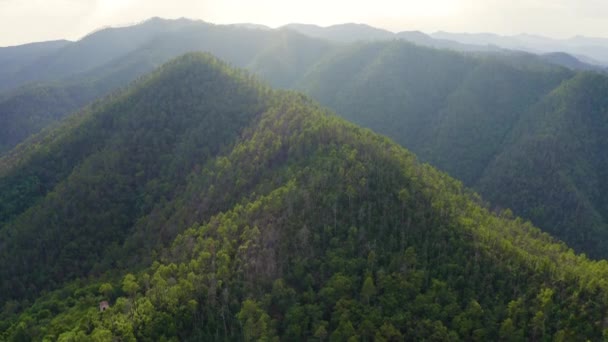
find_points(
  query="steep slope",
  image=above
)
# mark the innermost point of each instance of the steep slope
(388, 80)
(450, 109)
(71, 196)
(483, 109)
(30, 109)
(288, 58)
(554, 172)
(455, 111)
(490, 121)
(303, 227)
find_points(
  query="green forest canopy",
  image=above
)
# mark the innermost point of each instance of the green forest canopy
(290, 224)
(478, 116)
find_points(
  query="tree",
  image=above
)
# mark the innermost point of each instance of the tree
(101, 335)
(344, 332)
(321, 332)
(255, 322)
(368, 291)
(388, 332)
(129, 285)
(106, 290)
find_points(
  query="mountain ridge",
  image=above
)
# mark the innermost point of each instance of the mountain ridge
(463, 114)
(301, 226)
(492, 90)
(81, 157)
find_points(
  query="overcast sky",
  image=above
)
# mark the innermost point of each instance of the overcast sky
(23, 21)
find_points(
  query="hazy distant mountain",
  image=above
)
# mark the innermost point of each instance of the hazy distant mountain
(585, 52)
(343, 33)
(12, 58)
(94, 50)
(252, 26)
(571, 62)
(553, 51)
(584, 48)
(424, 39)
(480, 39)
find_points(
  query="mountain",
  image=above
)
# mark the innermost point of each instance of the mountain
(58, 83)
(253, 26)
(461, 112)
(571, 62)
(92, 51)
(346, 33)
(445, 106)
(509, 42)
(590, 50)
(351, 33)
(83, 166)
(29, 109)
(553, 170)
(199, 204)
(279, 56)
(526, 135)
(424, 39)
(12, 58)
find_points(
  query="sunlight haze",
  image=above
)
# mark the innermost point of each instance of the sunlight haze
(23, 21)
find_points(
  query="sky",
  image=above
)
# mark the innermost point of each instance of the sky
(23, 21)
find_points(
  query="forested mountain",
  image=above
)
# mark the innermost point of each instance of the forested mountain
(88, 182)
(202, 205)
(29, 109)
(526, 135)
(465, 113)
(553, 171)
(450, 109)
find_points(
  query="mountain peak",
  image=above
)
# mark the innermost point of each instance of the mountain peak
(161, 126)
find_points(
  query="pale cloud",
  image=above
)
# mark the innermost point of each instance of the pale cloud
(35, 20)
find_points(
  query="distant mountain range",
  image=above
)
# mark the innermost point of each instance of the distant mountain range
(587, 53)
(588, 50)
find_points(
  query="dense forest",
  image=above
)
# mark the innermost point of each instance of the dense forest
(507, 124)
(200, 205)
(527, 135)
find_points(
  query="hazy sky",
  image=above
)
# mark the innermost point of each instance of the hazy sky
(24, 21)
